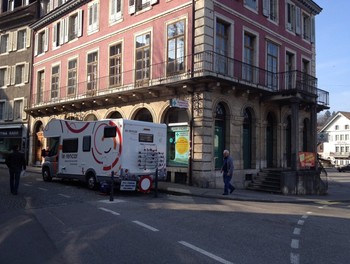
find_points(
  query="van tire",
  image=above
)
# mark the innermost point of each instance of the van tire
(91, 181)
(46, 175)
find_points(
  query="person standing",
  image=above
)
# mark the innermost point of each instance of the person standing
(227, 172)
(15, 161)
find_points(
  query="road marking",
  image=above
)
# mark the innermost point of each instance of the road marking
(43, 189)
(64, 195)
(301, 222)
(114, 201)
(305, 216)
(295, 243)
(297, 231)
(109, 211)
(206, 253)
(26, 184)
(294, 258)
(146, 226)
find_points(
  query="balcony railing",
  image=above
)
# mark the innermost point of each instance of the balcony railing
(206, 64)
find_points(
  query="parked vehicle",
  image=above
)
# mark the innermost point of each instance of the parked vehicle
(91, 150)
(344, 168)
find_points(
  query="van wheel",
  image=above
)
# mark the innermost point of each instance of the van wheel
(46, 175)
(91, 181)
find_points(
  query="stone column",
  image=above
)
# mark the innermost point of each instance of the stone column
(295, 133)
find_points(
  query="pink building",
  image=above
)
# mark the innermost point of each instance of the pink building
(237, 75)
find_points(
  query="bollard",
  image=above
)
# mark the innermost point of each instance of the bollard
(111, 193)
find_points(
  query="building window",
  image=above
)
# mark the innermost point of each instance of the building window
(73, 26)
(290, 74)
(20, 71)
(249, 57)
(219, 137)
(41, 40)
(44, 7)
(272, 65)
(336, 127)
(21, 39)
(40, 86)
(222, 44)
(290, 16)
(139, 5)
(143, 59)
(55, 80)
(115, 65)
(346, 136)
(72, 77)
(57, 34)
(4, 43)
(3, 77)
(92, 65)
(2, 110)
(17, 109)
(93, 17)
(306, 27)
(337, 137)
(251, 4)
(270, 9)
(115, 10)
(346, 126)
(176, 47)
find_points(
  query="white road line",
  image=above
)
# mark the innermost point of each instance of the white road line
(294, 258)
(114, 201)
(43, 189)
(206, 253)
(301, 222)
(296, 231)
(26, 184)
(295, 243)
(109, 211)
(146, 226)
(305, 216)
(64, 195)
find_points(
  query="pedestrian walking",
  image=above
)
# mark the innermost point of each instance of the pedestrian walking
(15, 161)
(227, 172)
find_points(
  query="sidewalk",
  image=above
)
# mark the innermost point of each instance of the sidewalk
(336, 193)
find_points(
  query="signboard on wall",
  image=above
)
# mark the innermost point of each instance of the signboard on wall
(178, 146)
(307, 159)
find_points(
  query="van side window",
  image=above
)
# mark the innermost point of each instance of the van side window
(86, 143)
(110, 132)
(70, 145)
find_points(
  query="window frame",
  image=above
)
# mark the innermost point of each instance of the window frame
(177, 68)
(143, 63)
(115, 76)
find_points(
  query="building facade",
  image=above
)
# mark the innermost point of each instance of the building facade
(335, 143)
(15, 69)
(237, 75)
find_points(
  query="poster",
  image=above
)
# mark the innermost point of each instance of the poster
(307, 159)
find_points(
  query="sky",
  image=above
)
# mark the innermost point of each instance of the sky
(333, 52)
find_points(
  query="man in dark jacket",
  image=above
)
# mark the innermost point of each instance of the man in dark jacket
(15, 161)
(227, 172)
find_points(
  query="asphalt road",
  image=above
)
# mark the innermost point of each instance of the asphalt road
(63, 222)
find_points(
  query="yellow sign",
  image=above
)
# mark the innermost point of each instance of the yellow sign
(182, 145)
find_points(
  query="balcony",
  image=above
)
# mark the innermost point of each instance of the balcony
(172, 75)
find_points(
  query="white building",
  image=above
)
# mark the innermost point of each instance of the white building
(337, 148)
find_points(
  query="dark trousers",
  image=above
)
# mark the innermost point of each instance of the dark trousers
(227, 183)
(14, 180)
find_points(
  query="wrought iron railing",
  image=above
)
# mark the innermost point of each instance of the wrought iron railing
(204, 64)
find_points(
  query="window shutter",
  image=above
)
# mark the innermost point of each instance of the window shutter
(153, 2)
(10, 42)
(65, 29)
(14, 40)
(29, 37)
(131, 7)
(13, 75)
(54, 36)
(24, 106)
(26, 73)
(298, 20)
(10, 110)
(266, 8)
(46, 46)
(312, 29)
(36, 44)
(8, 77)
(80, 23)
